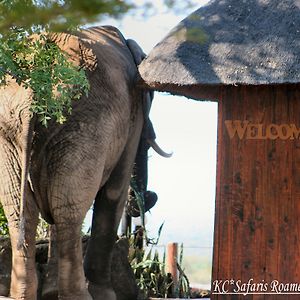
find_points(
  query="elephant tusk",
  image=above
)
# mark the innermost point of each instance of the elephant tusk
(157, 149)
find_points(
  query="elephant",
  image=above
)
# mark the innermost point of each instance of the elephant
(59, 170)
(140, 171)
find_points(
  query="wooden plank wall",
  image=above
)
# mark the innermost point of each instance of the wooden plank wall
(257, 227)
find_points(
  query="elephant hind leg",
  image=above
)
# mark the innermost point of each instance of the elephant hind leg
(99, 292)
(70, 195)
(71, 279)
(108, 209)
(97, 263)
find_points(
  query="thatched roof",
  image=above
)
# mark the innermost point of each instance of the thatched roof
(249, 42)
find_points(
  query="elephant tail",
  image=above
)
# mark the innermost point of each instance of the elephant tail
(28, 129)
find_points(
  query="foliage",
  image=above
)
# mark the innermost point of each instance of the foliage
(3, 223)
(150, 273)
(38, 64)
(182, 288)
(151, 276)
(42, 231)
(56, 15)
(60, 15)
(180, 6)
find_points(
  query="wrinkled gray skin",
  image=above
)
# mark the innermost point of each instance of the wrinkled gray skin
(89, 157)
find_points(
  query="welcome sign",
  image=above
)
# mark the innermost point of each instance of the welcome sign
(254, 131)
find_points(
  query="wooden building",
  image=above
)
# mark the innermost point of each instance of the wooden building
(245, 54)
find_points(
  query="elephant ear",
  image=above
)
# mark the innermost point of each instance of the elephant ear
(78, 50)
(136, 51)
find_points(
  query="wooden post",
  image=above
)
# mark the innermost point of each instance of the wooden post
(257, 201)
(171, 263)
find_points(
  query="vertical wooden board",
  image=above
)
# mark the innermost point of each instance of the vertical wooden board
(258, 191)
(283, 167)
(217, 224)
(293, 217)
(256, 114)
(221, 256)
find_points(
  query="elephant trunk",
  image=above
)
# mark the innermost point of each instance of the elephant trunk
(157, 149)
(28, 128)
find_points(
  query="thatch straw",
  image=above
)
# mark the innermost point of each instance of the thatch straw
(249, 42)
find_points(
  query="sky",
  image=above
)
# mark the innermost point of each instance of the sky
(185, 183)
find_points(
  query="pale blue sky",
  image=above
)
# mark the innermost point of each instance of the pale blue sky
(185, 183)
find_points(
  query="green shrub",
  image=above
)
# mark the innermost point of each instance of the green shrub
(151, 276)
(3, 223)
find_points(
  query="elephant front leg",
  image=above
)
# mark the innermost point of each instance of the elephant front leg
(71, 279)
(23, 276)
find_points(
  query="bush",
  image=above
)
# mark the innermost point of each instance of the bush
(3, 223)
(151, 276)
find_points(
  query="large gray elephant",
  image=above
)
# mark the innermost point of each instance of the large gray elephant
(60, 169)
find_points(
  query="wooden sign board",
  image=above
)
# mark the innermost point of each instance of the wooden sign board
(257, 227)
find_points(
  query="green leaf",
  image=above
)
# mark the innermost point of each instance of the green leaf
(3, 223)
(40, 65)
